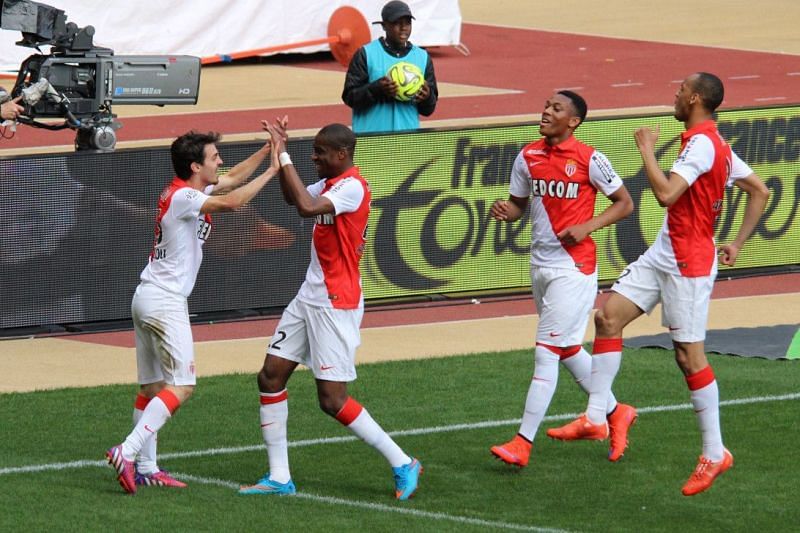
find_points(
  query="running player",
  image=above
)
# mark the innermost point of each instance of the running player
(164, 350)
(320, 327)
(563, 176)
(679, 269)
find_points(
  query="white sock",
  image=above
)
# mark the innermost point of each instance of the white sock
(705, 399)
(359, 421)
(146, 460)
(580, 366)
(274, 413)
(154, 416)
(540, 392)
(605, 365)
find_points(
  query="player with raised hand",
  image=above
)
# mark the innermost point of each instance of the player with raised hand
(679, 268)
(320, 326)
(560, 176)
(164, 349)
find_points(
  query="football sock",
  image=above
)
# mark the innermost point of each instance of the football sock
(357, 419)
(580, 366)
(155, 415)
(606, 359)
(540, 392)
(146, 460)
(274, 413)
(705, 399)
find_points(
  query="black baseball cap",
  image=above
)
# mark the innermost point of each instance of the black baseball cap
(394, 10)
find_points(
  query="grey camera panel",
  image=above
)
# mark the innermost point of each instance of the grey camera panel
(154, 80)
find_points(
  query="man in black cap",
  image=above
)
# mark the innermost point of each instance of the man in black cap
(371, 93)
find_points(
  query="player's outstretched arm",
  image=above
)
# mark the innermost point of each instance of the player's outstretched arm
(757, 196)
(293, 188)
(240, 172)
(240, 196)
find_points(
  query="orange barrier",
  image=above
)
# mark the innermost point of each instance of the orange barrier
(347, 32)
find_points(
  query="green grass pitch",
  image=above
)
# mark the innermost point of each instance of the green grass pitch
(447, 412)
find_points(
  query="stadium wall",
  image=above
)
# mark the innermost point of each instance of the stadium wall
(78, 227)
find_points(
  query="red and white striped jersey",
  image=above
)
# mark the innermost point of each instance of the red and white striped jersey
(333, 278)
(685, 244)
(180, 234)
(562, 182)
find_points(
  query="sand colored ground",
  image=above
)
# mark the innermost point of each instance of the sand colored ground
(45, 363)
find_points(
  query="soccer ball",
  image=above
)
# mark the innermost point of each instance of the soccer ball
(409, 80)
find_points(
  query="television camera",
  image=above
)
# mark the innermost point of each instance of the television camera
(78, 82)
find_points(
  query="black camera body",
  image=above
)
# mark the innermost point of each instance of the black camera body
(82, 81)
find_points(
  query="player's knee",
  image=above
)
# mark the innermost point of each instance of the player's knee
(330, 405)
(332, 401)
(605, 323)
(268, 382)
(183, 392)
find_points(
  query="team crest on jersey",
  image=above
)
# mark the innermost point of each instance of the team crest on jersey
(570, 168)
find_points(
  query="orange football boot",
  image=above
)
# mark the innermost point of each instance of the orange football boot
(706, 472)
(619, 422)
(514, 452)
(579, 429)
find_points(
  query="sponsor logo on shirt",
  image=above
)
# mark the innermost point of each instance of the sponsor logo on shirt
(685, 152)
(535, 151)
(191, 194)
(570, 167)
(325, 219)
(203, 229)
(605, 168)
(554, 189)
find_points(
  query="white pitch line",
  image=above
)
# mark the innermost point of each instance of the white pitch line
(793, 73)
(568, 89)
(380, 507)
(629, 84)
(744, 77)
(769, 98)
(403, 432)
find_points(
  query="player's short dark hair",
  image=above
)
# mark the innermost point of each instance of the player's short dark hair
(340, 137)
(577, 102)
(710, 89)
(190, 148)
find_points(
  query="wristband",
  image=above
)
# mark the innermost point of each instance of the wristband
(285, 159)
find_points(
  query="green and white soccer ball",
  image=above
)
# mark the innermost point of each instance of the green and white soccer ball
(409, 79)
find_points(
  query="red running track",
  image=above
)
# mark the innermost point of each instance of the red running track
(610, 73)
(426, 313)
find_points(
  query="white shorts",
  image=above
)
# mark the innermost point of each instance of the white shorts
(564, 299)
(164, 348)
(322, 338)
(684, 309)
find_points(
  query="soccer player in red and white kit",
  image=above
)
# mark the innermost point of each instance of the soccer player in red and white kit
(562, 176)
(679, 268)
(164, 350)
(320, 326)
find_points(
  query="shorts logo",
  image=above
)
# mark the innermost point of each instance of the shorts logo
(570, 167)
(324, 367)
